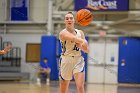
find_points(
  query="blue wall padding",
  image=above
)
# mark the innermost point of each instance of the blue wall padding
(129, 60)
(48, 49)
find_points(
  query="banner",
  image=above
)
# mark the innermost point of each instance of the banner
(102, 5)
(19, 10)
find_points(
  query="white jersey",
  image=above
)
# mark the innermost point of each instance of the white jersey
(69, 48)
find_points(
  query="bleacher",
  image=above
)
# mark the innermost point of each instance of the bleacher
(10, 64)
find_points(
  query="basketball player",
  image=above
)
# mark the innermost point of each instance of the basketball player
(71, 61)
(5, 50)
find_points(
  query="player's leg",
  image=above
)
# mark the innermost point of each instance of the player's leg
(64, 84)
(79, 74)
(79, 80)
(65, 73)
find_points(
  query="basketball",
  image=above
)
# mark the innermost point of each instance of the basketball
(84, 17)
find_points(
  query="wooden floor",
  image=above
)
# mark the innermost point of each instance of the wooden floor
(14, 87)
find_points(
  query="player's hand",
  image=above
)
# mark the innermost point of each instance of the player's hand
(84, 44)
(78, 45)
(3, 52)
(7, 48)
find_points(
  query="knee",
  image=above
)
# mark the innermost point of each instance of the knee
(80, 87)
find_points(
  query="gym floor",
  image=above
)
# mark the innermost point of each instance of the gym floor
(22, 87)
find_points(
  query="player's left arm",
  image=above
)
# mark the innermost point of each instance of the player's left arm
(83, 46)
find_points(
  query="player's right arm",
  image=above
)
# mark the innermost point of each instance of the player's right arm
(6, 49)
(2, 52)
(65, 35)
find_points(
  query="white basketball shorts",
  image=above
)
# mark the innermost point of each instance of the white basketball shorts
(69, 65)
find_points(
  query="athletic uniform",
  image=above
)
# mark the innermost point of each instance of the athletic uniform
(71, 61)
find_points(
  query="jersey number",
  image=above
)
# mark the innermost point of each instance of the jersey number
(76, 48)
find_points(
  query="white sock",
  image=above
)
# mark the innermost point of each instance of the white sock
(48, 80)
(38, 80)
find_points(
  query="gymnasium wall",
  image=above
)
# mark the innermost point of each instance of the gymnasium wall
(20, 40)
(38, 13)
(38, 10)
(3, 10)
(134, 4)
(103, 60)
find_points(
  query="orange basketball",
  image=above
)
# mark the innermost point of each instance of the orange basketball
(84, 17)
